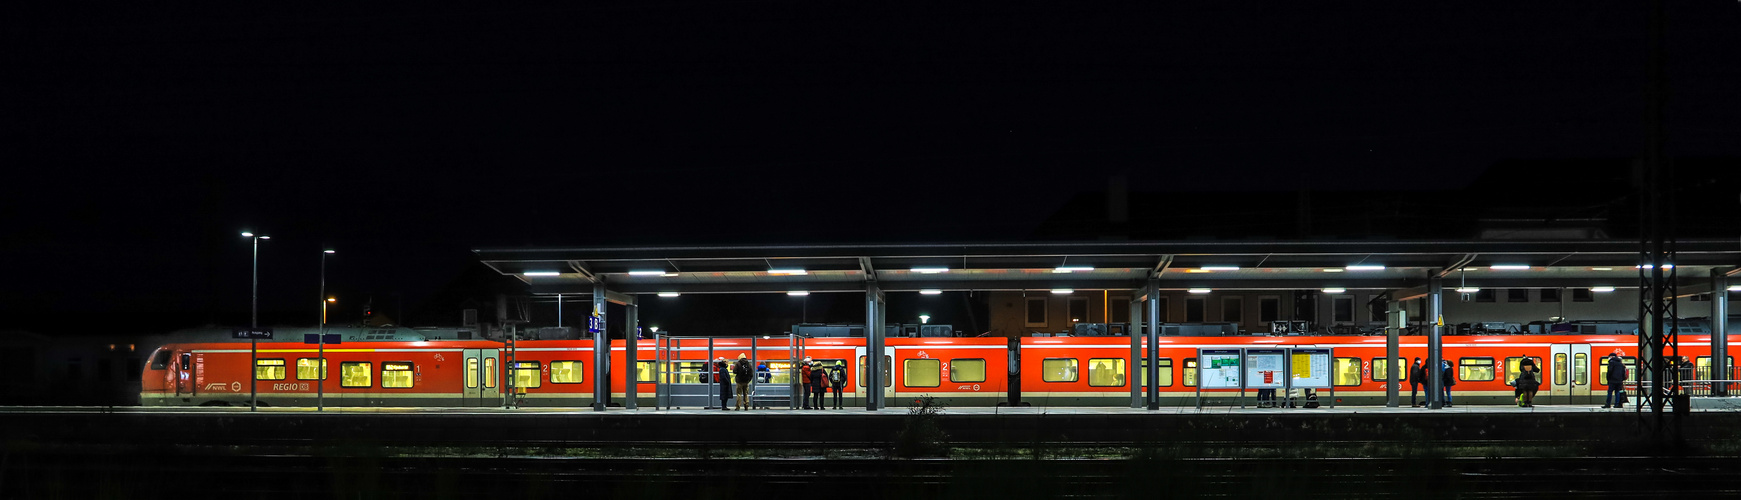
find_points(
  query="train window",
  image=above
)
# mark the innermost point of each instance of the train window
(1560, 368)
(1703, 365)
(566, 372)
(967, 370)
(186, 359)
(305, 369)
(1513, 368)
(1166, 375)
(690, 372)
(356, 374)
(1347, 371)
(886, 378)
(490, 373)
(1602, 368)
(1190, 374)
(644, 371)
(160, 360)
(471, 373)
(1581, 369)
(780, 372)
(922, 372)
(1058, 369)
(526, 375)
(269, 369)
(1036, 311)
(396, 375)
(1381, 373)
(1106, 372)
(1475, 369)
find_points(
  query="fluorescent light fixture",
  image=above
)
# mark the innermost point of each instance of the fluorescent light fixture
(930, 292)
(790, 272)
(1365, 267)
(1601, 269)
(1333, 270)
(1335, 290)
(797, 293)
(668, 274)
(269, 237)
(334, 300)
(1601, 289)
(1650, 266)
(1072, 269)
(655, 329)
(1735, 288)
(1508, 267)
(647, 273)
(1198, 290)
(1220, 268)
(930, 270)
(669, 294)
(1468, 289)
(246, 234)
(1062, 291)
(541, 273)
(330, 251)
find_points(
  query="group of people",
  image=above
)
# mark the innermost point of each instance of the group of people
(816, 380)
(1418, 377)
(1526, 383)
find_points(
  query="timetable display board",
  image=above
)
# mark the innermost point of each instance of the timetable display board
(1218, 368)
(1265, 368)
(1309, 368)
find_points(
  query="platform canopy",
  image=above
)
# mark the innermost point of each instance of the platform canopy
(1100, 265)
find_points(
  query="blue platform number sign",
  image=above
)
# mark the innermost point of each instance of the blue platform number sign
(251, 333)
(594, 323)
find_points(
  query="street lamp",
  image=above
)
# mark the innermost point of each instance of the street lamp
(320, 383)
(254, 324)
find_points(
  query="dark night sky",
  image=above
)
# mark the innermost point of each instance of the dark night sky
(140, 140)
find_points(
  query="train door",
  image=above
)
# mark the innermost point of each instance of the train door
(481, 376)
(887, 375)
(1569, 372)
(184, 374)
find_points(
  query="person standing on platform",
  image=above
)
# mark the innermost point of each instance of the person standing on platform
(741, 370)
(819, 382)
(1417, 376)
(724, 377)
(837, 378)
(1616, 381)
(804, 378)
(1448, 378)
(1528, 379)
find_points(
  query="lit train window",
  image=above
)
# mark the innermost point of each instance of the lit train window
(269, 369)
(565, 372)
(396, 375)
(1581, 369)
(1512, 370)
(1106, 372)
(780, 372)
(922, 372)
(644, 371)
(1703, 364)
(471, 373)
(1166, 370)
(489, 373)
(1347, 371)
(1475, 369)
(160, 360)
(967, 370)
(1380, 372)
(1190, 374)
(1058, 370)
(1630, 362)
(306, 369)
(356, 374)
(526, 375)
(886, 378)
(1560, 368)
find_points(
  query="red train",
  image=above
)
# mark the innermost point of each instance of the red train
(1052, 371)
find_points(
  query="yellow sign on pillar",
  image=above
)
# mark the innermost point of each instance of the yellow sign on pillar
(1441, 320)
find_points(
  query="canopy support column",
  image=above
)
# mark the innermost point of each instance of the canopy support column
(1154, 338)
(601, 351)
(1720, 369)
(631, 353)
(1136, 354)
(1436, 320)
(874, 314)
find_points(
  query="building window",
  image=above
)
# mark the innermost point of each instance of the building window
(1120, 310)
(1381, 374)
(1582, 295)
(1344, 309)
(1269, 308)
(396, 375)
(567, 372)
(1037, 311)
(967, 370)
(1190, 374)
(1484, 295)
(356, 374)
(1376, 311)
(1513, 369)
(1475, 369)
(1232, 309)
(1550, 295)
(921, 372)
(269, 369)
(1165, 376)
(1106, 372)
(526, 375)
(1079, 310)
(1347, 371)
(1058, 370)
(1517, 295)
(1193, 310)
(311, 369)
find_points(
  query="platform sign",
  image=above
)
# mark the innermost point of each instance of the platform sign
(1218, 368)
(1265, 368)
(251, 333)
(314, 338)
(1309, 368)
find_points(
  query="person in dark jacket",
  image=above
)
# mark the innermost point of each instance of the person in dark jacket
(1616, 380)
(721, 373)
(1417, 376)
(763, 376)
(804, 378)
(819, 383)
(741, 372)
(1528, 379)
(1448, 378)
(837, 378)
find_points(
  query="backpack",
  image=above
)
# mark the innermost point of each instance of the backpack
(742, 371)
(837, 376)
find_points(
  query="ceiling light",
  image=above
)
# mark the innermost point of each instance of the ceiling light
(669, 294)
(1468, 289)
(1601, 289)
(1509, 267)
(246, 234)
(329, 251)
(798, 293)
(1198, 290)
(1365, 267)
(541, 273)
(1220, 268)
(1735, 288)
(1651, 266)
(1601, 269)
(788, 272)
(930, 270)
(930, 292)
(647, 273)
(1072, 269)
(1062, 291)
(668, 274)
(1335, 290)
(1333, 270)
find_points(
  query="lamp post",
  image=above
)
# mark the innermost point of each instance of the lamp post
(320, 382)
(254, 323)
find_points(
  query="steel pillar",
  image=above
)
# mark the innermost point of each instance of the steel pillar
(1399, 319)
(1435, 329)
(873, 353)
(1136, 356)
(1154, 336)
(1720, 369)
(631, 353)
(601, 351)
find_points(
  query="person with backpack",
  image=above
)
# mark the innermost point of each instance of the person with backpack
(741, 371)
(837, 378)
(1417, 376)
(1616, 381)
(818, 383)
(1448, 378)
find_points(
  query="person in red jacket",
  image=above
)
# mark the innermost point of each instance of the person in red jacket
(804, 377)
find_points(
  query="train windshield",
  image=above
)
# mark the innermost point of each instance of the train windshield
(160, 359)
